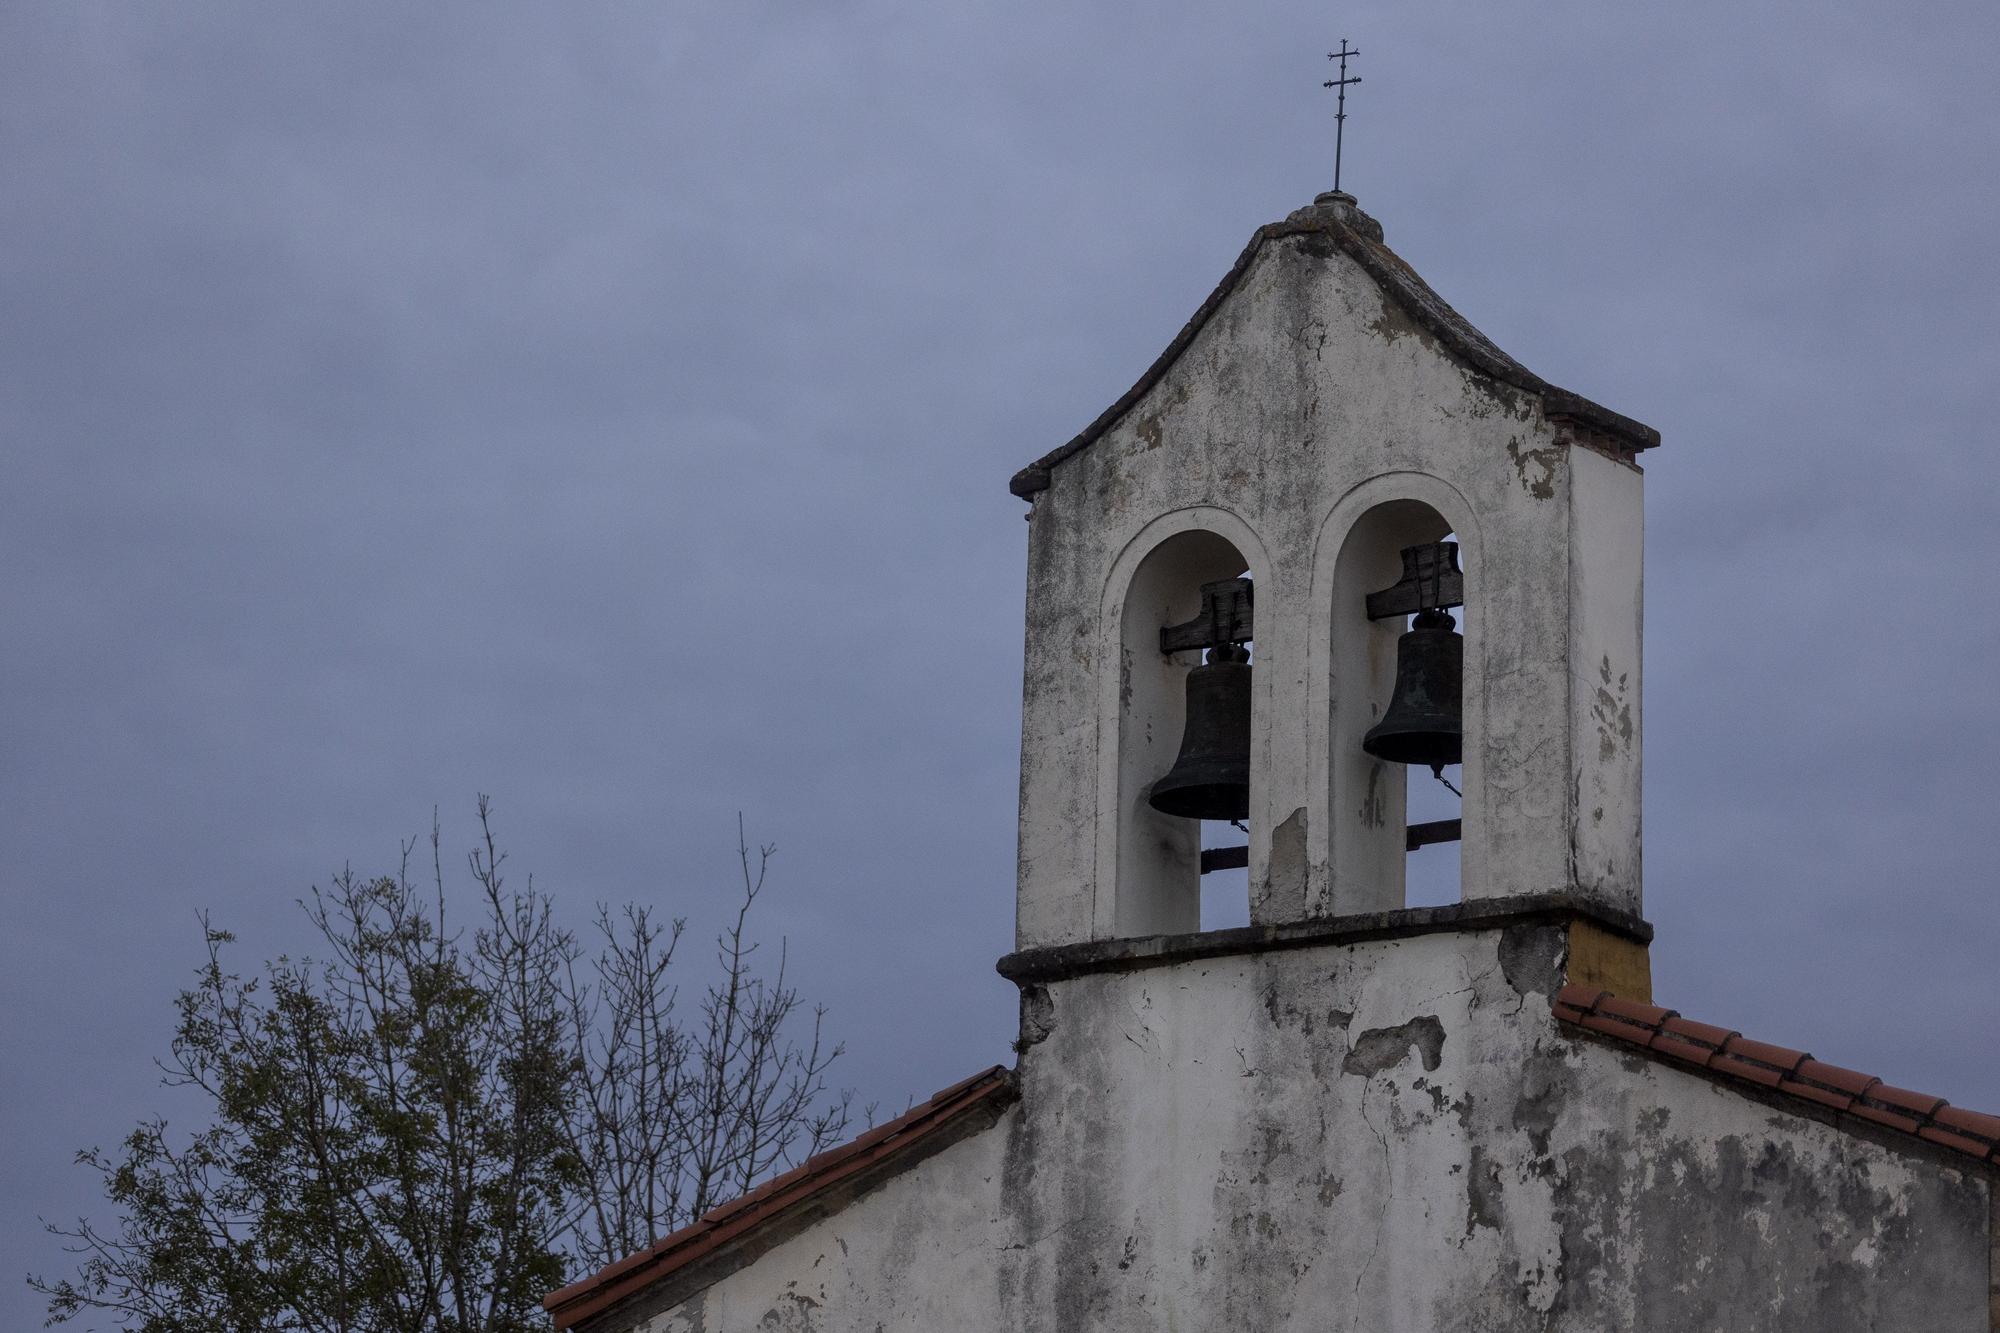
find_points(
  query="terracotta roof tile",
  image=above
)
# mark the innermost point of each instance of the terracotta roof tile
(1839, 1101)
(1881, 1115)
(1615, 1027)
(1781, 1058)
(1834, 1078)
(1969, 1122)
(1977, 1147)
(1920, 1104)
(1645, 1015)
(1748, 1070)
(1728, 1054)
(1680, 1048)
(1570, 1011)
(728, 1223)
(1708, 1034)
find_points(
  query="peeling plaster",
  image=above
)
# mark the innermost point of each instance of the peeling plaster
(1612, 709)
(1543, 484)
(1038, 1017)
(1531, 958)
(1384, 1048)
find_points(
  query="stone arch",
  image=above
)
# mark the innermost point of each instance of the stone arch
(1148, 876)
(1356, 848)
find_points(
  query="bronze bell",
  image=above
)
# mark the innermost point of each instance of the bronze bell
(1424, 724)
(1211, 777)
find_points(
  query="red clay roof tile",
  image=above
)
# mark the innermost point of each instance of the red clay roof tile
(1616, 1027)
(1781, 1058)
(1728, 1054)
(1839, 1101)
(1969, 1122)
(1920, 1104)
(1748, 1070)
(1977, 1147)
(1880, 1115)
(1708, 1034)
(1680, 1048)
(1847, 1081)
(730, 1222)
(1645, 1015)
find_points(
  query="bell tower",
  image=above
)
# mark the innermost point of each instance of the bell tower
(1279, 485)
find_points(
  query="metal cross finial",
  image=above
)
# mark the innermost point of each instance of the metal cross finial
(1340, 106)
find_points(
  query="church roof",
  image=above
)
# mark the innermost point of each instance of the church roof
(1359, 236)
(1664, 1035)
(809, 1190)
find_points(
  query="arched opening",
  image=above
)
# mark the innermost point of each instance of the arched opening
(1390, 844)
(1225, 851)
(1157, 870)
(1431, 803)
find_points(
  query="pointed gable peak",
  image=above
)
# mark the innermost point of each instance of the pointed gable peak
(1336, 218)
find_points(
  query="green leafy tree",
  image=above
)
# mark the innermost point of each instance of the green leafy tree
(428, 1128)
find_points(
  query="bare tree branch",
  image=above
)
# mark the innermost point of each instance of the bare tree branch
(429, 1129)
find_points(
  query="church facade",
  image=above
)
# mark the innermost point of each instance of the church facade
(1352, 1113)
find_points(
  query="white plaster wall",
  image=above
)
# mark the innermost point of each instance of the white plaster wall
(919, 1253)
(1606, 640)
(1307, 393)
(1390, 1137)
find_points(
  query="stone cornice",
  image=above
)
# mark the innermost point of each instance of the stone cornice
(1062, 961)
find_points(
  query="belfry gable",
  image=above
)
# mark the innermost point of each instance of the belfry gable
(1333, 224)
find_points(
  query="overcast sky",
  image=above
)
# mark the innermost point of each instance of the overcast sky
(610, 407)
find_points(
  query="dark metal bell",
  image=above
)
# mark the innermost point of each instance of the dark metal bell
(1423, 724)
(1211, 777)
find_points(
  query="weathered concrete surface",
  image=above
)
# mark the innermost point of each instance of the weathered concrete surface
(1309, 429)
(1389, 1136)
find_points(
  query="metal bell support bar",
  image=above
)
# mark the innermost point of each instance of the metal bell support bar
(1431, 581)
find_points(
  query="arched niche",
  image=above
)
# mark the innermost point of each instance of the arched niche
(1148, 864)
(1358, 851)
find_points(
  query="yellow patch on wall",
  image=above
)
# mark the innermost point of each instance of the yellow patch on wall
(1612, 962)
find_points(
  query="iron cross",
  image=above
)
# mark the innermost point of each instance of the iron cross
(1340, 106)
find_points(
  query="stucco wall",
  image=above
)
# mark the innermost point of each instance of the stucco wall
(1308, 399)
(1389, 1136)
